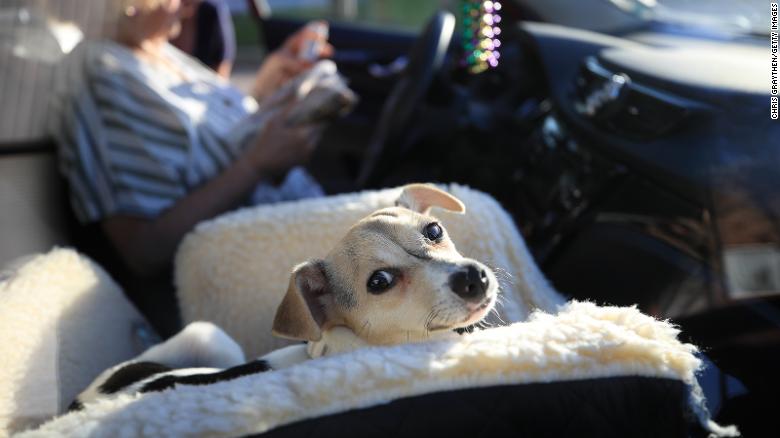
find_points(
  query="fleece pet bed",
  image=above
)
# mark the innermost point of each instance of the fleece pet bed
(234, 270)
(581, 343)
(63, 320)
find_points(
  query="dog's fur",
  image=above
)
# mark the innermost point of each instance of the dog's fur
(424, 289)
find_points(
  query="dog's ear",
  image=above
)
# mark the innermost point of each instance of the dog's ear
(301, 313)
(421, 197)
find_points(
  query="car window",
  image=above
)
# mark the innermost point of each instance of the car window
(397, 14)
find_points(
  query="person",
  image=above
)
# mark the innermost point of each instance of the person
(148, 138)
(207, 34)
(151, 142)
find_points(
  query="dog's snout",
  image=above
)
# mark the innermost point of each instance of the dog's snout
(470, 283)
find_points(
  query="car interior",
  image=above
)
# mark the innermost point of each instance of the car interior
(631, 145)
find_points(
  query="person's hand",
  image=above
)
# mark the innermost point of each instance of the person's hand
(279, 67)
(296, 42)
(284, 63)
(279, 147)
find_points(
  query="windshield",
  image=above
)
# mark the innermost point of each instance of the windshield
(734, 16)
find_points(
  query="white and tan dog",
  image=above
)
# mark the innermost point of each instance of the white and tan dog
(395, 277)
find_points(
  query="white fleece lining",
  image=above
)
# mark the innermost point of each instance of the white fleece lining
(582, 341)
(63, 320)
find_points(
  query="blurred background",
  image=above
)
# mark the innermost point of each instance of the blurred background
(47, 25)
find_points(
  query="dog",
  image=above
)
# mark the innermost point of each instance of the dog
(395, 277)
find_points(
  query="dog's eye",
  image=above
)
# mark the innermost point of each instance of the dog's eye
(380, 281)
(433, 231)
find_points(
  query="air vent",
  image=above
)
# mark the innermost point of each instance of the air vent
(614, 101)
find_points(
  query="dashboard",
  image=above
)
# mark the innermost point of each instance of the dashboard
(648, 176)
(663, 136)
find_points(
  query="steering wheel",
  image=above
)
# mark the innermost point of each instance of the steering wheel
(425, 61)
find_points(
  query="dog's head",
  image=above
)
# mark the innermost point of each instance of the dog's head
(395, 277)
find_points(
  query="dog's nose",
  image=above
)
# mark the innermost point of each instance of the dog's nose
(470, 283)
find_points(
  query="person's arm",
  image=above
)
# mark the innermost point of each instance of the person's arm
(148, 245)
(228, 38)
(225, 69)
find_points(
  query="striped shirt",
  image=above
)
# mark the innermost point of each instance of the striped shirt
(134, 138)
